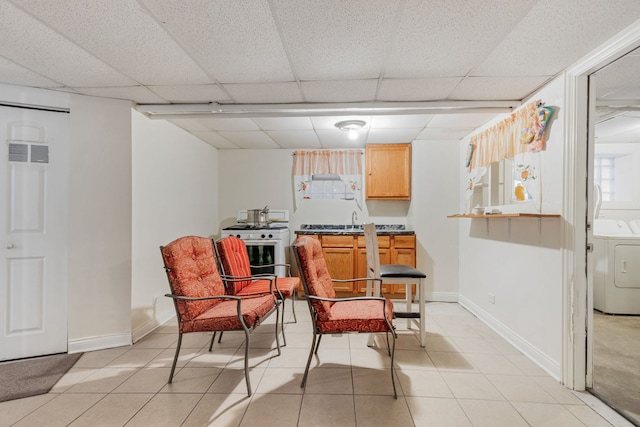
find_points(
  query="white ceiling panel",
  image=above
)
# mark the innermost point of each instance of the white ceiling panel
(284, 123)
(122, 34)
(428, 89)
(235, 41)
(34, 46)
(460, 120)
(616, 126)
(249, 139)
(139, 94)
(573, 27)
(336, 39)
(232, 124)
(214, 139)
(340, 91)
(500, 88)
(339, 139)
(190, 125)
(191, 93)
(392, 136)
(264, 92)
(444, 133)
(400, 121)
(346, 54)
(449, 37)
(10, 72)
(295, 139)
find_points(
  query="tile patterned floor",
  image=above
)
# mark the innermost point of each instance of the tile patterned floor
(465, 376)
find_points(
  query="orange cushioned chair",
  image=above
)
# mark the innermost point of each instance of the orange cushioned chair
(234, 260)
(201, 302)
(331, 315)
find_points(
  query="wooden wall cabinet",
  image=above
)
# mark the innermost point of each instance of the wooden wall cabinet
(388, 171)
(346, 258)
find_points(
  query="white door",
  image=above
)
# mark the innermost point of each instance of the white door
(33, 232)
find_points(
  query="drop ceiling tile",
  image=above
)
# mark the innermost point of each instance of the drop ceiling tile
(295, 139)
(616, 125)
(249, 139)
(329, 122)
(392, 136)
(340, 91)
(444, 133)
(32, 45)
(339, 139)
(574, 28)
(124, 35)
(336, 39)
(284, 123)
(14, 74)
(400, 121)
(235, 41)
(189, 124)
(191, 93)
(427, 89)
(214, 139)
(264, 93)
(497, 88)
(449, 38)
(230, 124)
(138, 94)
(467, 120)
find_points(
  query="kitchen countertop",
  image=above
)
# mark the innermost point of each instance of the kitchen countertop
(347, 229)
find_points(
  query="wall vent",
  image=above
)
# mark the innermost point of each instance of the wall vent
(39, 154)
(18, 152)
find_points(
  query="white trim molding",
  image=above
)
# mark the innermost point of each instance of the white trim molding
(539, 358)
(153, 324)
(575, 293)
(99, 343)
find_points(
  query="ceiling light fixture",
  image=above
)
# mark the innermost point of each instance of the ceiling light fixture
(351, 126)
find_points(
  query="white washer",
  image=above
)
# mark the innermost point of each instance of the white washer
(616, 278)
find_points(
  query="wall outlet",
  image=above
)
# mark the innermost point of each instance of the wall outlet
(492, 298)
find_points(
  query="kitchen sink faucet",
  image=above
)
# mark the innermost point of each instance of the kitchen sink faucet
(354, 218)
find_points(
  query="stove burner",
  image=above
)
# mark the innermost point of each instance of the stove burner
(256, 227)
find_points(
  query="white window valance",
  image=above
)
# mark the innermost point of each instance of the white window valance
(346, 164)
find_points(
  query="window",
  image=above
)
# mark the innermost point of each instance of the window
(604, 176)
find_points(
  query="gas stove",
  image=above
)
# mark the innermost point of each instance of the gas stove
(266, 243)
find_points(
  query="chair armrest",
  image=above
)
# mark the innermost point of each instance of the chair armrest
(358, 279)
(345, 299)
(180, 297)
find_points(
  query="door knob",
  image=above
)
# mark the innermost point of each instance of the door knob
(9, 246)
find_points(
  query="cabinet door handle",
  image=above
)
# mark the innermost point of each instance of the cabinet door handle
(624, 266)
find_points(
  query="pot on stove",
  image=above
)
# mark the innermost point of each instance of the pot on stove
(258, 216)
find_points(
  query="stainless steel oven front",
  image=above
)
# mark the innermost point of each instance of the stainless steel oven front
(265, 252)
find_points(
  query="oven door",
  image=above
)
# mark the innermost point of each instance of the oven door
(264, 252)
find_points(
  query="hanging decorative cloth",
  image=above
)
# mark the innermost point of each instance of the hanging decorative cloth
(533, 133)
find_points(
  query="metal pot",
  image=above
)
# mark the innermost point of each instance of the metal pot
(258, 216)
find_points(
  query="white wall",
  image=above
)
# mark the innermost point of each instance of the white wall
(519, 260)
(99, 223)
(175, 193)
(254, 178)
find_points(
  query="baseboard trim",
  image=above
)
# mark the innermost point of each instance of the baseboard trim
(441, 296)
(99, 343)
(152, 325)
(539, 358)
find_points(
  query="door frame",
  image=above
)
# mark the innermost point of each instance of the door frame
(577, 295)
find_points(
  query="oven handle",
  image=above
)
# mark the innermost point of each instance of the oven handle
(261, 241)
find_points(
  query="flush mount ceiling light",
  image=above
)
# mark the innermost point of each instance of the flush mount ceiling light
(351, 126)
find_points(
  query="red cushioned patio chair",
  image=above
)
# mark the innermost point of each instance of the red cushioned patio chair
(331, 315)
(236, 267)
(201, 302)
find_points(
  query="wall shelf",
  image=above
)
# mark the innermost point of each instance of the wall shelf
(506, 215)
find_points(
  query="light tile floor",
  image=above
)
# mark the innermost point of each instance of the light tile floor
(465, 376)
